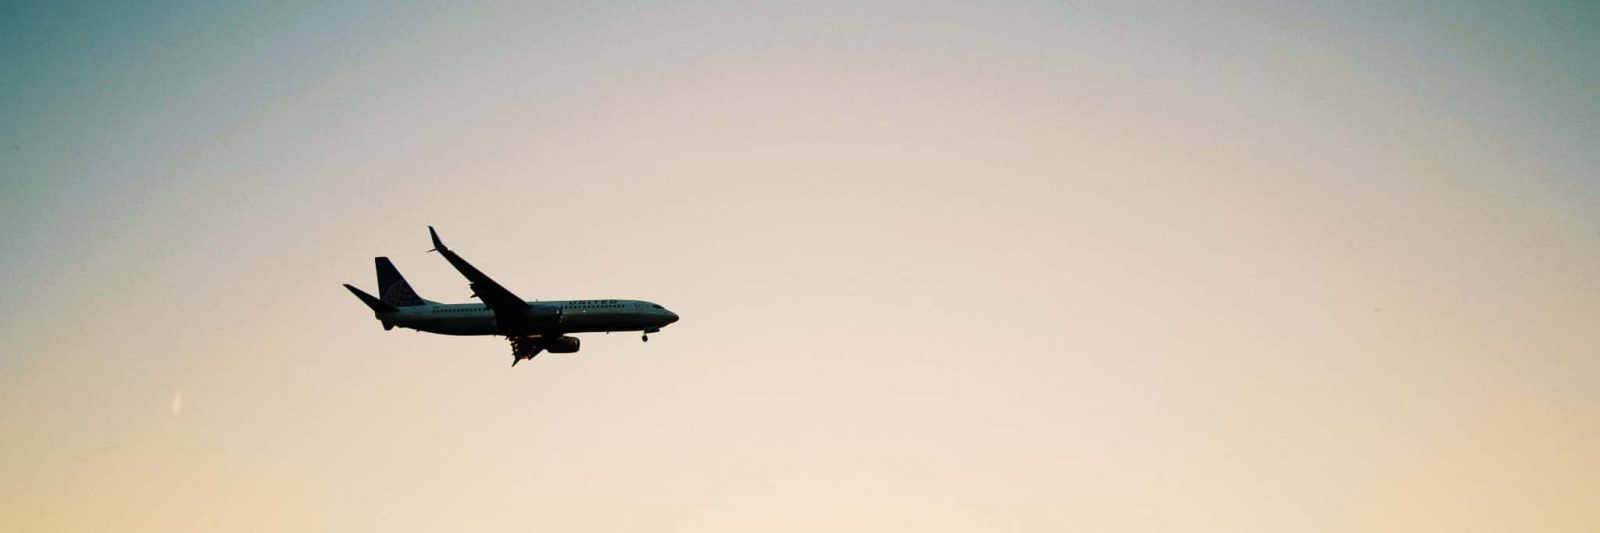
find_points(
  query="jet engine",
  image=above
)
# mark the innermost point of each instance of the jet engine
(563, 344)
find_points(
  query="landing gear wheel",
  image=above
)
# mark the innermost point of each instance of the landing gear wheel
(645, 338)
(523, 348)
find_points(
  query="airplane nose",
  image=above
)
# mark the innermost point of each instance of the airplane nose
(671, 317)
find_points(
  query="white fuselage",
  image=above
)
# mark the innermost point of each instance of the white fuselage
(577, 316)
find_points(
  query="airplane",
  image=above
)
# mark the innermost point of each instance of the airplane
(531, 326)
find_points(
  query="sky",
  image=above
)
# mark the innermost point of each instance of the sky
(1030, 266)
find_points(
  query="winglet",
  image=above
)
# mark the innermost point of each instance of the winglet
(437, 244)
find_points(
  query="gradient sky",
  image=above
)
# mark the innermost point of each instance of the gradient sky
(1121, 266)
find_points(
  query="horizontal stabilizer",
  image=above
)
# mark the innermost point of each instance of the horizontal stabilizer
(378, 306)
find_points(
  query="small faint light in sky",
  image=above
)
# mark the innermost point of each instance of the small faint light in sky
(177, 402)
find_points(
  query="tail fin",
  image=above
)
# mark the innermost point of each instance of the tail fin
(392, 287)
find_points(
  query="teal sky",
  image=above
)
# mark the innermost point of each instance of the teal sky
(1125, 266)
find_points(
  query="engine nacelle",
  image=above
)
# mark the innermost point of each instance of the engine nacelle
(563, 344)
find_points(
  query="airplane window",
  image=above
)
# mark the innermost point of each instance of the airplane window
(656, 306)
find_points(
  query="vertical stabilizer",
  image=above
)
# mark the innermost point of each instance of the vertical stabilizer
(392, 287)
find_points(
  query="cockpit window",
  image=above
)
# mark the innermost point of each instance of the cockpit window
(655, 306)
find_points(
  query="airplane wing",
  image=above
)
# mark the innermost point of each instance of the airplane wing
(508, 308)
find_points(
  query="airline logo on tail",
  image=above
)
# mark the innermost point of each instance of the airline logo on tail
(392, 287)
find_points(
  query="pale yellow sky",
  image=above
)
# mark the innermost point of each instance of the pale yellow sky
(942, 267)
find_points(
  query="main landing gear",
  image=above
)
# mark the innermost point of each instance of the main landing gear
(523, 348)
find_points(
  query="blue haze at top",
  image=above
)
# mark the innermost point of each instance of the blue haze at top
(111, 110)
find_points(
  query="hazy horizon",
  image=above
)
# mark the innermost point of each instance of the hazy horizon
(1031, 266)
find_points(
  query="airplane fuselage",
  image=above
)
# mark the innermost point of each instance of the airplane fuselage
(575, 316)
(531, 326)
